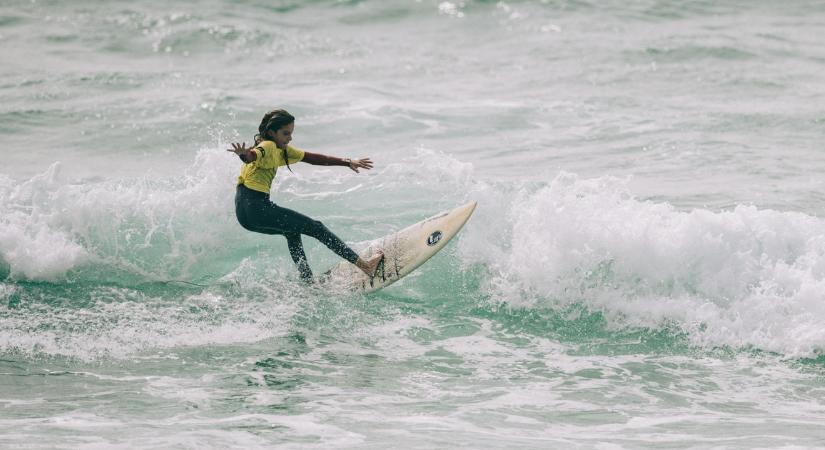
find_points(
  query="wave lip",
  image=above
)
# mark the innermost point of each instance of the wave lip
(52, 227)
(745, 277)
(32, 243)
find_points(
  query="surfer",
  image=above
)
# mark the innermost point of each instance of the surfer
(256, 212)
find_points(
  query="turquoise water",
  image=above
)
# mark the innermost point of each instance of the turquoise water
(645, 269)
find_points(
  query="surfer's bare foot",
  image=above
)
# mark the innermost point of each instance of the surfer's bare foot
(369, 266)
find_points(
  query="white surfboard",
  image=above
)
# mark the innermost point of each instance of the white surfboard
(403, 251)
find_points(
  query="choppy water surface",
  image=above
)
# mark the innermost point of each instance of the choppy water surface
(646, 267)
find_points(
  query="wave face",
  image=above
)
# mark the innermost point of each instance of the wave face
(743, 278)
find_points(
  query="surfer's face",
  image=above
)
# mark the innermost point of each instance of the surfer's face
(283, 136)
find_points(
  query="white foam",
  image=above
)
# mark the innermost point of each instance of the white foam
(739, 277)
(125, 323)
(32, 242)
(51, 224)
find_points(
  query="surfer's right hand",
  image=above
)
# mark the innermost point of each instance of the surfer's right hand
(239, 149)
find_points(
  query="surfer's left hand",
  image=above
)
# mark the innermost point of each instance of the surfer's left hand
(363, 163)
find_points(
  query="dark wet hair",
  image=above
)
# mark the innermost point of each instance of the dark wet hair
(273, 121)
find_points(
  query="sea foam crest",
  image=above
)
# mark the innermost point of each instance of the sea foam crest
(51, 225)
(740, 277)
(33, 242)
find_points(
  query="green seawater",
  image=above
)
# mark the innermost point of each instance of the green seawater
(645, 269)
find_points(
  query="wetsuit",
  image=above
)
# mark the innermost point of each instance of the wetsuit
(257, 213)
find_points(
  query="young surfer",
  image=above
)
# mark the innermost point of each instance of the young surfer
(257, 213)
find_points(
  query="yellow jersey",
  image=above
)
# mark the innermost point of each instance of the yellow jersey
(258, 174)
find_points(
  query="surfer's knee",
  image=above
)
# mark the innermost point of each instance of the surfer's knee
(244, 223)
(317, 228)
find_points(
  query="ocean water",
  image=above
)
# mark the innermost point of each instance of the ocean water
(645, 269)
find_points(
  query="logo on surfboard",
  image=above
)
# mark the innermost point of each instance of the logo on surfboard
(434, 238)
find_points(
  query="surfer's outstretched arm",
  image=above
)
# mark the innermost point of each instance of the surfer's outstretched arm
(317, 159)
(325, 160)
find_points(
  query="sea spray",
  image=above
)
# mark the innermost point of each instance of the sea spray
(745, 277)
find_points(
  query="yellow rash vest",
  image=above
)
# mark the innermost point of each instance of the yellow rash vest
(258, 175)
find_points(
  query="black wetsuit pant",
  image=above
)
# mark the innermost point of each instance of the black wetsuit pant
(257, 213)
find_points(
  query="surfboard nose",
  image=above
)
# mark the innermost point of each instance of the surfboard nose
(468, 207)
(465, 210)
(455, 219)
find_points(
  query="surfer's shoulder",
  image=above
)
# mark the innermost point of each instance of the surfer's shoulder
(266, 147)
